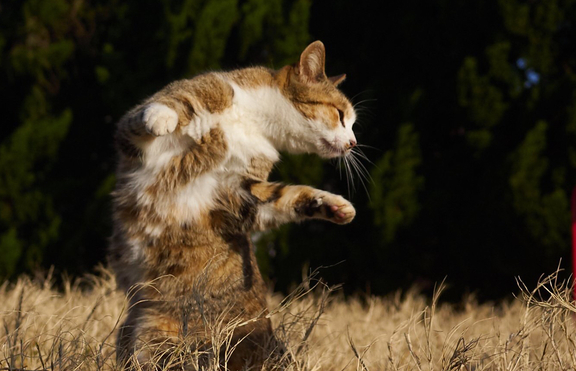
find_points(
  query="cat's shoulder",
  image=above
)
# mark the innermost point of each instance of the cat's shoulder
(251, 77)
(216, 89)
(209, 91)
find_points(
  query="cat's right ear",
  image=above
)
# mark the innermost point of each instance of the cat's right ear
(336, 80)
(310, 69)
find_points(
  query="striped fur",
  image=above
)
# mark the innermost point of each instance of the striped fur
(192, 185)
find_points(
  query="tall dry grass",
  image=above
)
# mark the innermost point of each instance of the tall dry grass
(74, 329)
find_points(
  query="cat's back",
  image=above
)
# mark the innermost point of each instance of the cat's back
(214, 92)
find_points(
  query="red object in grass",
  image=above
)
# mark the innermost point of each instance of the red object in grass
(574, 238)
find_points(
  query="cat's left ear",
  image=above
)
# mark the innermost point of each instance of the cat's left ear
(336, 80)
(312, 60)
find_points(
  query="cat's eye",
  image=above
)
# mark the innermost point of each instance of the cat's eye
(341, 114)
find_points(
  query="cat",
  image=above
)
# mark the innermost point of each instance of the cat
(193, 163)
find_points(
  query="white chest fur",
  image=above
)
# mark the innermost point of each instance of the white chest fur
(245, 125)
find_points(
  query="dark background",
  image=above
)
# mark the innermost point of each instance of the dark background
(467, 109)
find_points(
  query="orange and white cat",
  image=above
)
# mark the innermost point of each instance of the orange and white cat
(192, 185)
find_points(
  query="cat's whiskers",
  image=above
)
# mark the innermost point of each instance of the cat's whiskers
(339, 167)
(362, 169)
(361, 154)
(363, 173)
(362, 102)
(361, 109)
(349, 176)
(367, 146)
(354, 167)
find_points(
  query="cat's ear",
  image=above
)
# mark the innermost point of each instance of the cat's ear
(311, 65)
(336, 80)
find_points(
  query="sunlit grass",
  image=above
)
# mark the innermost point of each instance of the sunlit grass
(75, 329)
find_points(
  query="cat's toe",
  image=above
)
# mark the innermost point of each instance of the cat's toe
(343, 214)
(337, 209)
(160, 119)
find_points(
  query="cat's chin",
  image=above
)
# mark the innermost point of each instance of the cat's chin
(329, 150)
(331, 155)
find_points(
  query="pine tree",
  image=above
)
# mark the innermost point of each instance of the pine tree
(396, 184)
(36, 54)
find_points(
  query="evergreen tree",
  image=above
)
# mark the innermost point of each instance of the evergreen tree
(34, 58)
(396, 184)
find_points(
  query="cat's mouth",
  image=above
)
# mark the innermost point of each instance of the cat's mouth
(331, 150)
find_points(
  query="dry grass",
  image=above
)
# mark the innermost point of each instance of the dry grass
(43, 329)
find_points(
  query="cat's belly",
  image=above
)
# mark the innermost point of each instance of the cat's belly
(194, 200)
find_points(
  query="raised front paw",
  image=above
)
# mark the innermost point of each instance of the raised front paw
(331, 207)
(159, 119)
(199, 126)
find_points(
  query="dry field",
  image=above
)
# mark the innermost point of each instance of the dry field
(74, 329)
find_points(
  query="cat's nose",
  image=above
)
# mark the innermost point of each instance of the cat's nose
(352, 144)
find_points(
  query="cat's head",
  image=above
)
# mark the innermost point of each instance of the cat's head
(325, 114)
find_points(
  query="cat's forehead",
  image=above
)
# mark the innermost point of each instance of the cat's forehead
(321, 92)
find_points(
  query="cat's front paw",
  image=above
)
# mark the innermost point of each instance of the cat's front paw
(159, 119)
(333, 208)
(198, 127)
(342, 213)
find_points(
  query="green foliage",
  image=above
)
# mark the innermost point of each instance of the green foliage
(528, 168)
(293, 36)
(11, 248)
(203, 29)
(44, 51)
(211, 34)
(29, 221)
(27, 212)
(538, 23)
(502, 69)
(258, 15)
(538, 183)
(484, 102)
(179, 25)
(396, 184)
(546, 215)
